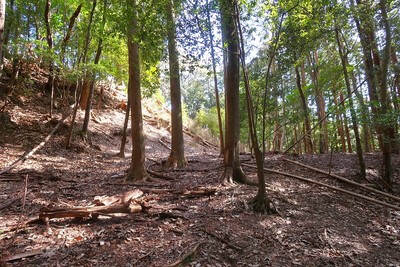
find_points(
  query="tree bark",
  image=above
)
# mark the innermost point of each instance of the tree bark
(308, 145)
(217, 101)
(49, 38)
(353, 114)
(233, 171)
(320, 102)
(177, 156)
(137, 169)
(2, 21)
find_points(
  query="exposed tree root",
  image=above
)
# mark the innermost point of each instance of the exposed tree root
(233, 175)
(263, 205)
(175, 162)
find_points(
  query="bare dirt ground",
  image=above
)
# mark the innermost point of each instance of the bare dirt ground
(317, 226)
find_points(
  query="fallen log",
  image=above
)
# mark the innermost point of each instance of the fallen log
(9, 202)
(87, 212)
(345, 180)
(105, 206)
(331, 187)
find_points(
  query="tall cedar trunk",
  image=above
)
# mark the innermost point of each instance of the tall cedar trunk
(260, 202)
(233, 171)
(309, 145)
(383, 86)
(366, 35)
(366, 133)
(346, 126)
(2, 21)
(396, 98)
(377, 70)
(320, 101)
(86, 76)
(92, 79)
(353, 114)
(49, 38)
(177, 156)
(124, 130)
(217, 101)
(137, 169)
(339, 124)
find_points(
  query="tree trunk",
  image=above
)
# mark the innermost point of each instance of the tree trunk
(343, 56)
(92, 79)
(346, 126)
(320, 102)
(49, 38)
(339, 123)
(308, 145)
(2, 21)
(217, 101)
(137, 169)
(123, 139)
(233, 171)
(69, 31)
(383, 87)
(177, 156)
(260, 202)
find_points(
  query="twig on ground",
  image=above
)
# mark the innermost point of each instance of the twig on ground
(187, 256)
(160, 175)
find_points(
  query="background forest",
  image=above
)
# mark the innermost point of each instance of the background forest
(327, 71)
(218, 84)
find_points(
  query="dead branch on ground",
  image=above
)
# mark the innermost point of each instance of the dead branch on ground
(9, 202)
(160, 175)
(26, 156)
(187, 256)
(330, 187)
(345, 180)
(124, 205)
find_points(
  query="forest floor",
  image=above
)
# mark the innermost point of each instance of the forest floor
(179, 227)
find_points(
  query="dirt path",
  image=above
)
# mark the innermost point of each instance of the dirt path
(318, 227)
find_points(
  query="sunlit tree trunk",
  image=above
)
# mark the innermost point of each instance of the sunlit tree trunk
(217, 101)
(137, 169)
(177, 156)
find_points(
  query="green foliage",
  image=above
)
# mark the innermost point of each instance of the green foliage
(209, 119)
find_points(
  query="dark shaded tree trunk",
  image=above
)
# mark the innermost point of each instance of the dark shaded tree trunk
(260, 202)
(92, 79)
(137, 169)
(177, 156)
(2, 23)
(376, 66)
(353, 114)
(69, 31)
(233, 171)
(49, 38)
(320, 102)
(308, 141)
(339, 124)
